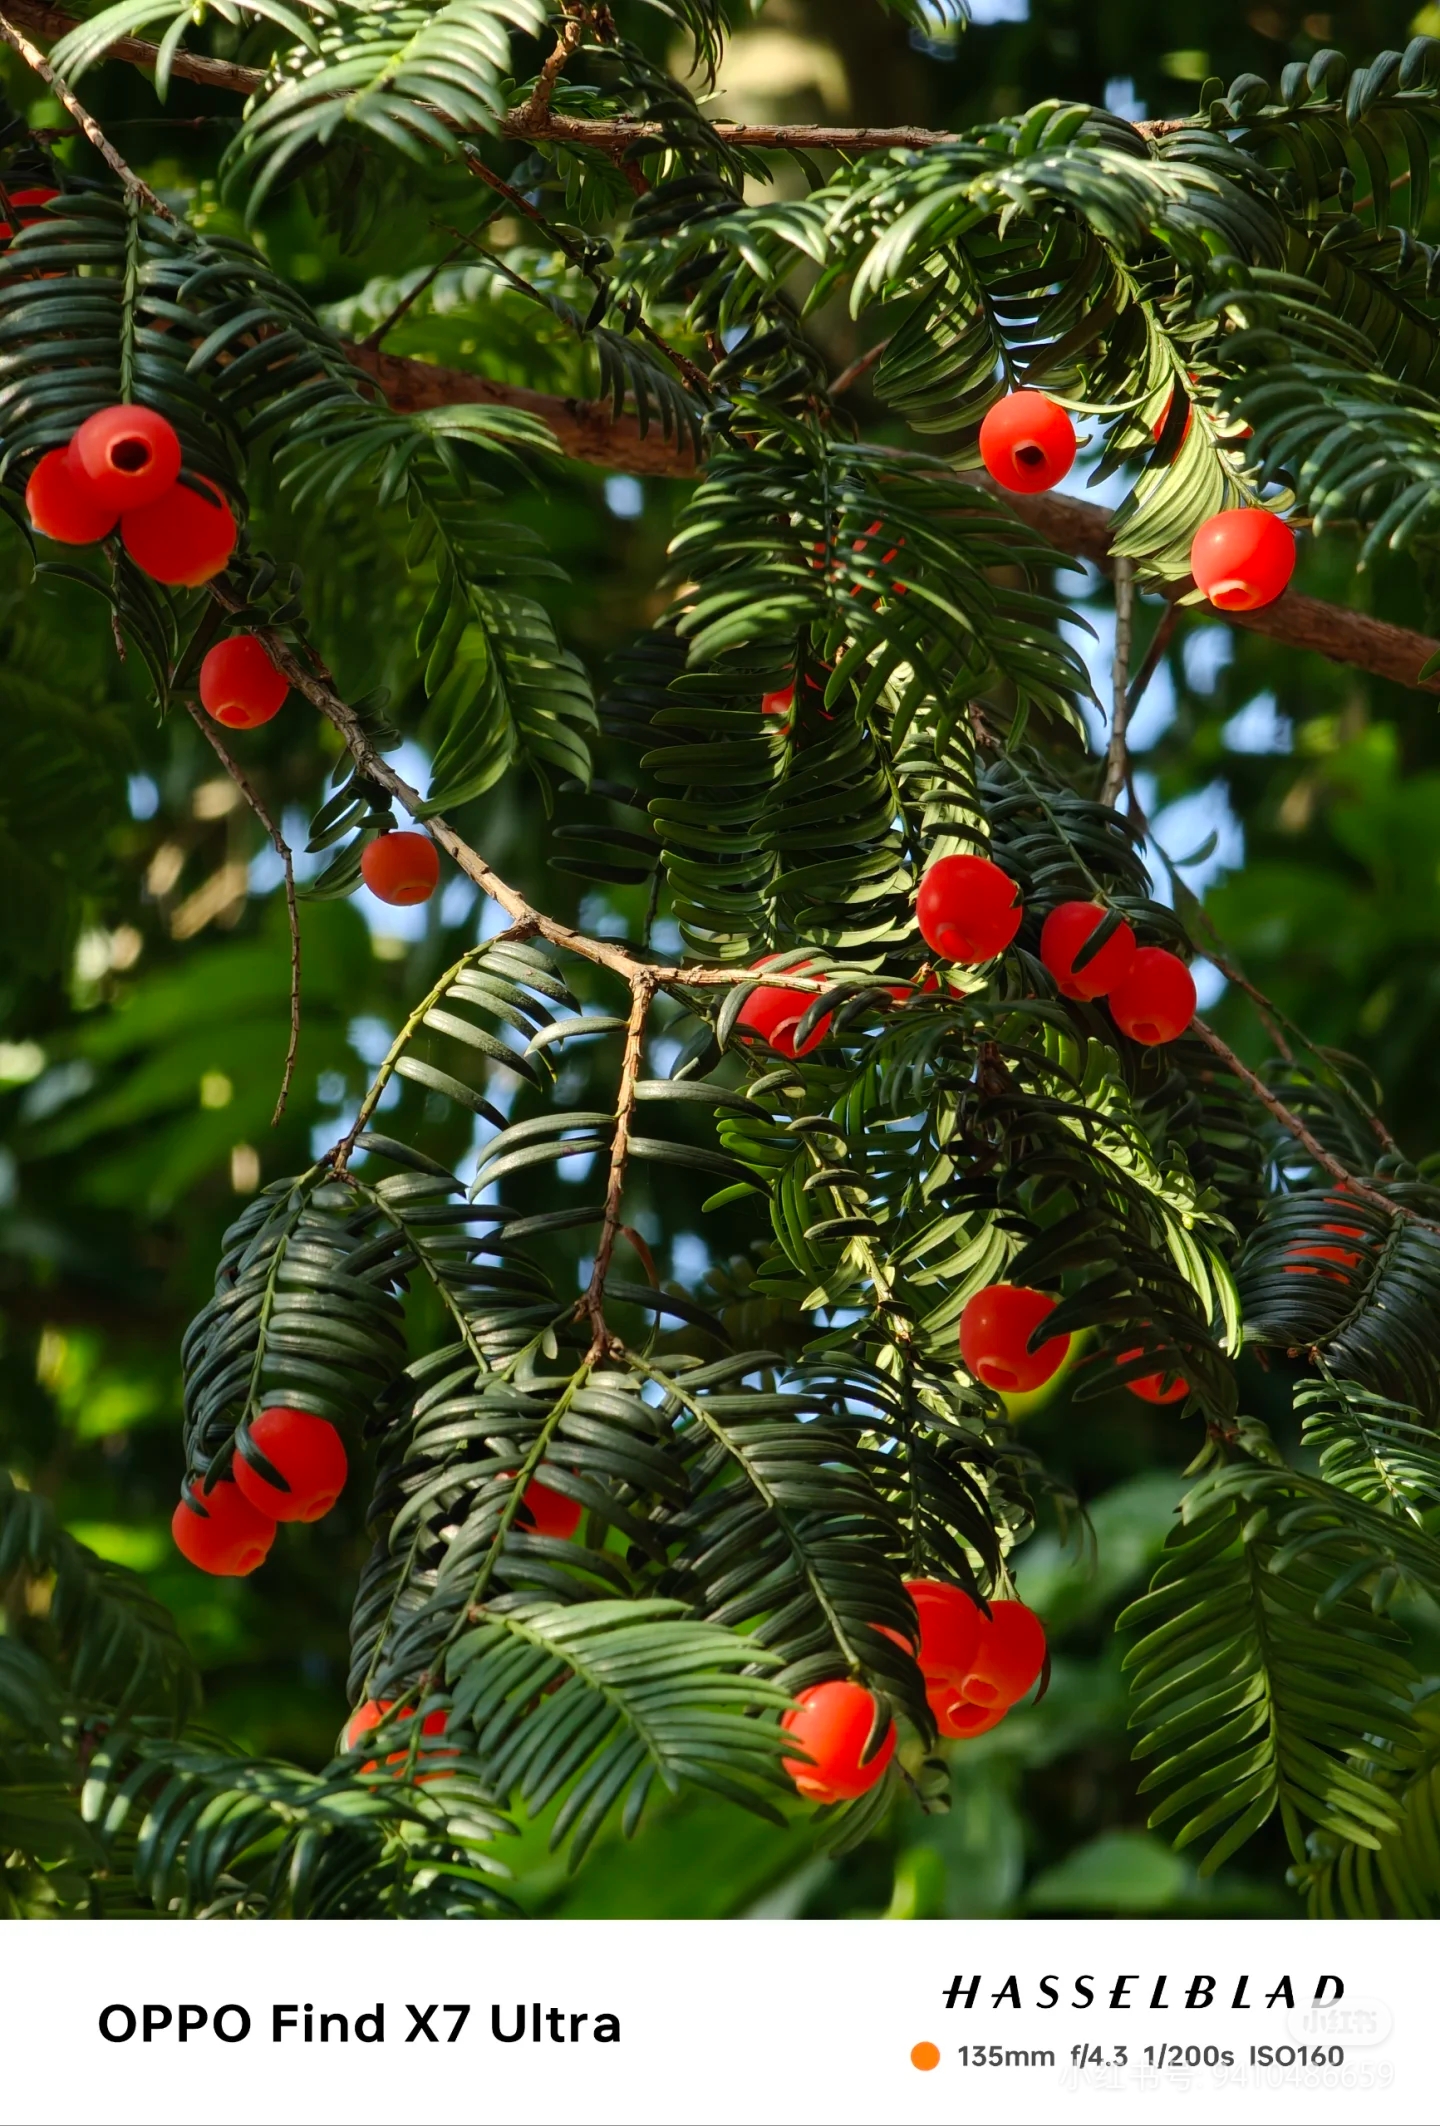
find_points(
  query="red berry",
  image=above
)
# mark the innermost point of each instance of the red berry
(1243, 558)
(955, 1717)
(1066, 930)
(34, 196)
(1154, 1387)
(65, 507)
(308, 1452)
(1156, 1000)
(1310, 1267)
(184, 538)
(544, 1511)
(1027, 442)
(239, 685)
(995, 1332)
(1009, 1657)
(832, 1723)
(774, 1014)
(129, 454)
(371, 1713)
(949, 1629)
(401, 868)
(968, 909)
(780, 703)
(220, 1531)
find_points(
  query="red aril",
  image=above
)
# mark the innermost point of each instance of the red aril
(995, 1332)
(1243, 558)
(780, 703)
(401, 868)
(774, 1014)
(1156, 1000)
(968, 909)
(949, 1628)
(1315, 1257)
(220, 1531)
(307, 1452)
(369, 1715)
(1067, 928)
(32, 196)
(955, 1717)
(1157, 428)
(63, 505)
(129, 454)
(1009, 1657)
(1027, 442)
(1153, 1387)
(832, 1723)
(239, 685)
(545, 1511)
(184, 539)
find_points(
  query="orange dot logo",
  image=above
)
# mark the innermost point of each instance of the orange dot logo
(925, 2055)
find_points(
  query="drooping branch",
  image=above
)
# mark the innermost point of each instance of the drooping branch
(40, 66)
(642, 992)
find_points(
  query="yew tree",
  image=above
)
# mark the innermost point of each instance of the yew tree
(894, 981)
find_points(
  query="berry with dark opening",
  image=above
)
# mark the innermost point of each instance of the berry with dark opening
(949, 1629)
(239, 685)
(63, 507)
(1066, 929)
(1154, 1387)
(1009, 1657)
(1243, 558)
(1156, 1000)
(832, 1723)
(129, 454)
(401, 868)
(220, 1531)
(306, 1451)
(995, 1332)
(545, 1511)
(955, 1717)
(185, 538)
(968, 909)
(774, 1014)
(1027, 442)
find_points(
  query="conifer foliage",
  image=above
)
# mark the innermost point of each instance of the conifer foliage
(1213, 309)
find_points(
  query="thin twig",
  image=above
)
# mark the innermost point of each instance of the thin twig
(1291, 1122)
(1117, 754)
(427, 280)
(861, 366)
(642, 993)
(253, 799)
(40, 65)
(695, 378)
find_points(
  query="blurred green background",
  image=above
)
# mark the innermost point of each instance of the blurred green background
(143, 974)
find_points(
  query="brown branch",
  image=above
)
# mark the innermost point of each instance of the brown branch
(252, 798)
(40, 65)
(588, 429)
(852, 373)
(620, 136)
(1291, 1122)
(1117, 753)
(536, 107)
(642, 993)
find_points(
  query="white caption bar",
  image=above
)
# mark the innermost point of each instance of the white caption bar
(811, 2021)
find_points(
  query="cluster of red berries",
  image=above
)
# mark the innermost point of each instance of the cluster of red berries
(123, 466)
(969, 910)
(228, 1530)
(1240, 558)
(998, 1328)
(976, 1667)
